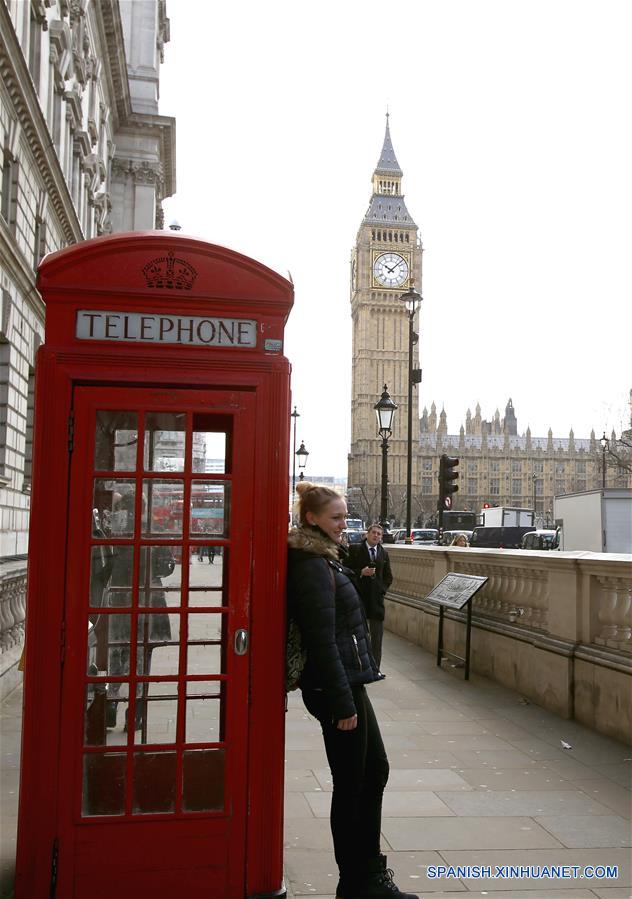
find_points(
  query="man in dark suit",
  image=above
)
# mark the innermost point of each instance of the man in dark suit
(372, 566)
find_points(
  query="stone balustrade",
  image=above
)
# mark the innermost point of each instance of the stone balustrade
(611, 598)
(555, 626)
(12, 621)
(12, 610)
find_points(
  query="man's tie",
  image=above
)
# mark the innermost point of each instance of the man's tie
(372, 553)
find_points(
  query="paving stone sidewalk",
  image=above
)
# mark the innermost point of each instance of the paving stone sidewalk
(479, 777)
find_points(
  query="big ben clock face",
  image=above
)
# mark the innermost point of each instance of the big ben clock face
(390, 269)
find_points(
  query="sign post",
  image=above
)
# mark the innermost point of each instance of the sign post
(453, 592)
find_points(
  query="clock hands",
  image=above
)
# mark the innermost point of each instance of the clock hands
(391, 274)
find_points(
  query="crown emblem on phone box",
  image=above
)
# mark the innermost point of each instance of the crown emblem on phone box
(170, 272)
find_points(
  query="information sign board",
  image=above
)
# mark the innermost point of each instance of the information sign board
(454, 590)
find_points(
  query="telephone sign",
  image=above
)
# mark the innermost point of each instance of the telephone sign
(165, 328)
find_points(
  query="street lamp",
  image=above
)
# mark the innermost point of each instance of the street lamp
(384, 412)
(605, 443)
(294, 415)
(413, 302)
(535, 480)
(302, 454)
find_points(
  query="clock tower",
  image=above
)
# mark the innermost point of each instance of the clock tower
(385, 262)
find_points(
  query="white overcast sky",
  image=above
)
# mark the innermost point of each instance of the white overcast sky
(511, 121)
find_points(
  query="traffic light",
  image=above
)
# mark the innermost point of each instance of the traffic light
(487, 505)
(447, 474)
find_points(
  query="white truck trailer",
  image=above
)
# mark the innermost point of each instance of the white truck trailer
(597, 521)
(507, 517)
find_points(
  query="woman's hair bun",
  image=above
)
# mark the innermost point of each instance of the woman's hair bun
(303, 486)
(312, 498)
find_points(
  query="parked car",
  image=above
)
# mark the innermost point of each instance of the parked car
(447, 537)
(498, 538)
(354, 535)
(355, 524)
(543, 539)
(424, 536)
(399, 535)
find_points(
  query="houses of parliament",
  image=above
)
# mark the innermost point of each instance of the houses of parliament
(497, 464)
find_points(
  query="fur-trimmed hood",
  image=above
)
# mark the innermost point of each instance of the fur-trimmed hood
(312, 540)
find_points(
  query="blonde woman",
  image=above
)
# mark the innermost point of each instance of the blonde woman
(324, 602)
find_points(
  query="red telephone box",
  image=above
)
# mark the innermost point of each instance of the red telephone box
(153, 736)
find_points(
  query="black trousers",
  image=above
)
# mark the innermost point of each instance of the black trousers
(376, 630)
(359, 769)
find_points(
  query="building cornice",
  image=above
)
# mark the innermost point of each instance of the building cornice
(17, 82)
(113, 40)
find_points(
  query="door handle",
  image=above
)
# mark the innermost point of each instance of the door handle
(241, 642)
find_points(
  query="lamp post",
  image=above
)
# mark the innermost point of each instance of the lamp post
(302, 455)
(294, 415)
(413, 302)
(535, 481)
(384, 412)
(605, 443)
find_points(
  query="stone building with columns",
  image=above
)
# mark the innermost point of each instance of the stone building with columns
(84, 152)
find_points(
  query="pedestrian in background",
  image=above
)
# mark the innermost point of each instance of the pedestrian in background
(372, 566)
(387, 536)
(325, 604)
(156, 562)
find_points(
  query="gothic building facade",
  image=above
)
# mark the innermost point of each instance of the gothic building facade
(497, 464)
(84, 152)
(502, 467)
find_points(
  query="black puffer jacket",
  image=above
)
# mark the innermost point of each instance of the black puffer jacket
(325, 604)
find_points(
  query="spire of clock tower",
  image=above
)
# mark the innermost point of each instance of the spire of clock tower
(388, 164)
(387, 206)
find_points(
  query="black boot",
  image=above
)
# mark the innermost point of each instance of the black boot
(346, 889)
(379, 883)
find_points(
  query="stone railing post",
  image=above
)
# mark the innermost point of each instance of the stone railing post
(614, 612)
